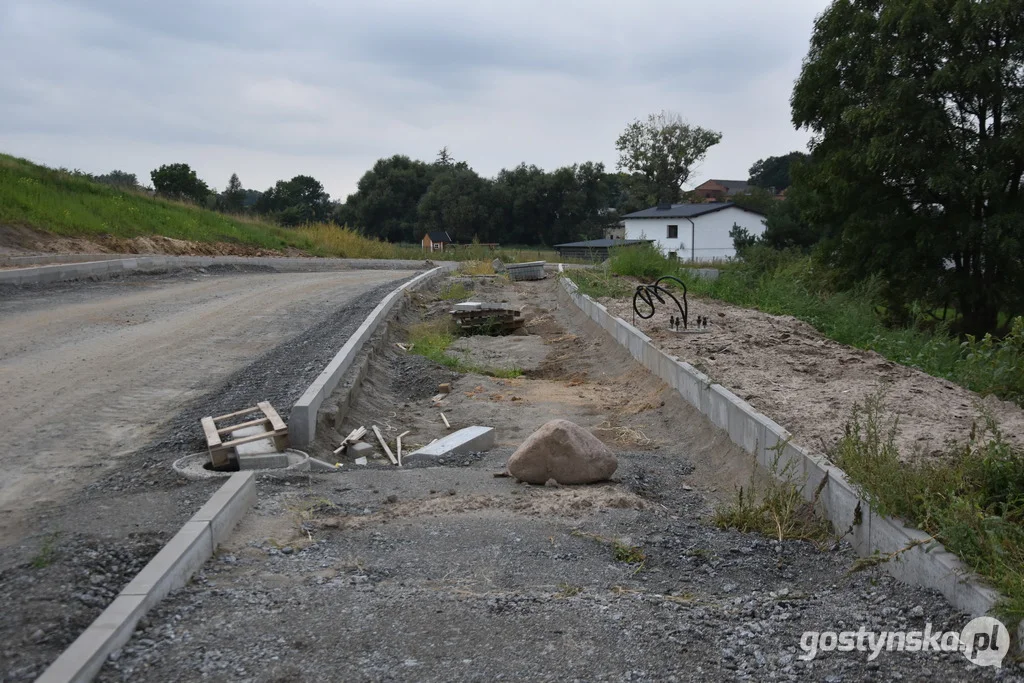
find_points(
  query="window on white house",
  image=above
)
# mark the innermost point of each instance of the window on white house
(673, 255)
(673, 232)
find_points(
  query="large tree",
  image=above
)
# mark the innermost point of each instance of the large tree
(179, 181)
(298, 201)
(664, 149)
(774, 173)
(918, 113)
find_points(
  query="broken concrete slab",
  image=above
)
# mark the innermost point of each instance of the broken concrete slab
(358, 449)
(468, 440)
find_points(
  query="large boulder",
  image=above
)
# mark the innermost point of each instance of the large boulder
(565, 452)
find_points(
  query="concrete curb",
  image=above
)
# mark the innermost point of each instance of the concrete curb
(172, 568)
(119, 264)
(302, 419)
(926, 564)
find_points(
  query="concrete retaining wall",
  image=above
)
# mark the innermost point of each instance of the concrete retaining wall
(172, 568)
(927, 563)
(117, 265)
(302, 420)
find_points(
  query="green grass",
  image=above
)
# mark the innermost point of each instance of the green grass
(598, 282)
(432, 338)
(972, 500)
(47, 552)
(453, 291)
(784, 284)
(774, 507)
(65, 204)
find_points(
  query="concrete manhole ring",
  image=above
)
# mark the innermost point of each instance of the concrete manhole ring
(191, 466)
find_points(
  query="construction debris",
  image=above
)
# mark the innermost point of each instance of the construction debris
(533, 270)
(359, 448)
(446, 422)
(384, 445)
(360, 461)
(476, 317)
(445, 388)
(275, 428)
(398, 447)
(353, 436)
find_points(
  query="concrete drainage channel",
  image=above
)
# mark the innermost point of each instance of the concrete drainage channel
(919, 559)
(198, 538)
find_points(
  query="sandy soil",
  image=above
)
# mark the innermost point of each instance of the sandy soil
(87, 375)
(809, 384)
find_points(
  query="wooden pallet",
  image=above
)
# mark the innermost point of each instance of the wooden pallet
(219, 450)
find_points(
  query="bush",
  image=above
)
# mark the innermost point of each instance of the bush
(996, 365)
(643, 261)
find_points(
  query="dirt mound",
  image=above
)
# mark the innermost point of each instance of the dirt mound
(809, 384)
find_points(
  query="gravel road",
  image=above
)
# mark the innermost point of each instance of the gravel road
(89, 374)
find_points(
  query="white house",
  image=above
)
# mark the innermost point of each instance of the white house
(692, 232)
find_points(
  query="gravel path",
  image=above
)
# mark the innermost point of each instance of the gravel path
(448, 574)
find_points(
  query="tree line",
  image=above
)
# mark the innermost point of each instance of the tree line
(399, 198)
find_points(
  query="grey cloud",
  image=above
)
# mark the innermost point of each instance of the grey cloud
(336, 82)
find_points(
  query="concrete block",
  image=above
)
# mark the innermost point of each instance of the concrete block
(227, 506)
(261, 447)
(174, 565)
(848, 512)
(468, 440)
(772, 452)
(667, 370)
(719, 399)
(84, 658)
(693, 385)
(744, 428)
(358, 449)
(263, 461)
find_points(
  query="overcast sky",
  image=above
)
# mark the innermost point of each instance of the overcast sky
(274, 89)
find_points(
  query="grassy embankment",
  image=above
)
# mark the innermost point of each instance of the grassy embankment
(972, 500)
(69, 205)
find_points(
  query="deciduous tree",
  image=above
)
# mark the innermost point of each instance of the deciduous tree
(918, 114)
(179, 181)
(664, 149)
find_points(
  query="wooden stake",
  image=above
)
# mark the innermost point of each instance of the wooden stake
(446, 422)
(398, 446)
(384, 445)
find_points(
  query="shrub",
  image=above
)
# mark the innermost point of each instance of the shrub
(972, 500)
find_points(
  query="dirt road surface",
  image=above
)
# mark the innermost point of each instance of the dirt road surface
(87, 375)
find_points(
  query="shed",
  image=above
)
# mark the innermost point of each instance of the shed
(436, 240)
(593, 250)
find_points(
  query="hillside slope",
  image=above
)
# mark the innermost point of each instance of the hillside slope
(37, 202)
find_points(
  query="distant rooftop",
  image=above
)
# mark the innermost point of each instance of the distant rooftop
(682, 210)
